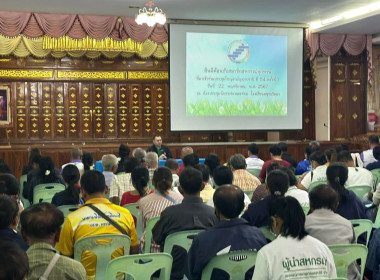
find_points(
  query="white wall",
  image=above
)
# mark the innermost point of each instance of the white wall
(322, 99)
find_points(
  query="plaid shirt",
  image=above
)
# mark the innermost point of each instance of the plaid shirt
(120, 184)
(245, 180)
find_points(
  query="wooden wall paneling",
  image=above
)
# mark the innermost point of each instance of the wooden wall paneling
(60, 112)
(160, 124)
(20, 116)
(86, 110)
(98, 103)
(308, 131)
(149, 110)
(338, 101)
(136, 110)
(34, 109)
(73, 100)
(110, 101)
(123, 107)
(46, 102)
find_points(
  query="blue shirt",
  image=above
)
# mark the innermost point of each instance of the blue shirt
(257, 213)
(373, 258)
(302, 167)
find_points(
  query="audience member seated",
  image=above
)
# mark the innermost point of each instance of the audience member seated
(172, 164)
(318, 173)
(71, 195)
(124, 152)
(184, 152)
(285, 257)
(88, 162)
(242, 178)
(230, 234)
(151, 162)
(86, 221)
(285, 156)
(152, 205)
(325, 225)
(122, 183)
(190, 160)
(140, 179)
(275, 154)
(191, 214)
(301, 195)
(212, 161)
(373, 258)
(357, 176)
(162, 151)
(10, 186)
(262, 190)
(5, 168)
(304, 165)
(46, 173)
(76, 159)
(376, 155)
(139, 154)
(350, 206)
(207, 191)
(257, 213)
(32, 164)
(9, 218)
(41, 228)
(253, 161)
(14, 262)
(367, 155)
(110, 164)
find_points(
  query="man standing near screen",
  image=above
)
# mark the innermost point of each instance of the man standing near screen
(162, 151)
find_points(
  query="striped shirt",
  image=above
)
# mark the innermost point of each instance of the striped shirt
(120, 184)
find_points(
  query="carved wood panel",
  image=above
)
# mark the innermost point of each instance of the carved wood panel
(123, 107)
(136, 111)
(21, 117)
(110, 101)
(86, 110)
(98, 105)
(60, 127)
(34, 110)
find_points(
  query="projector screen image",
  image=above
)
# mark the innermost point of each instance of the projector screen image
(235, 78)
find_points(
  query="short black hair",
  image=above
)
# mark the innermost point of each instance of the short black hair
(14, 261)
(277, 182)
(190, 180)
(323, 196)
(229, 200)
(162, 179)
(223, 176)
(130, 163)
(253, 148)
(274, 165)
(9, 184)
(344, 156)
(318, 157)
(88, 161)
(8, 211)
(237, 161)
(172, 164)
(376, 152)
(275, 150)
(41, 220)
(290, 172)
(212, 161)
(283, 146)
(140, 179)
(36, 159)
(314, 146)
(204, 170)
(93, 181)
(190, 160)
(124, 151)
(308, 151)
(373, 139)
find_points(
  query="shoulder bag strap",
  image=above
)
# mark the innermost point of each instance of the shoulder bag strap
(50, 267)
(108, 219)
(175, 202)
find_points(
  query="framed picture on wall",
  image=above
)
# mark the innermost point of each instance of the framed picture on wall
(5, 106)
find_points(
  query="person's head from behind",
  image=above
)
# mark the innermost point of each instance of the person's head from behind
(345, 158)
(9, 185)
(314, 146)
(212, 161)
(172, 164)
(205, 172)
(190, 160)
(14, 261)
(8, 212)
(337, 174)
(34, 152)
(331, 154)
(88, 161)
(130, 164)
(253, 149)
(287, 217)
(237, 162)
(275, 151)
(124, 151)
(162, 179)
(151, 160)
(317, 158)
(5, 168)
(35, 161)
(41, 223)
(228, 202)
(139, 154)
(76, 153)
(70, 174)
(292, 177)
(373, 140)
(190, 181)
(140, 179)
(277, 183)
(273, 166)
(186, 151)
(93, 183)
(109, 163)
(376, 152)
(157, 141)
(223, 176)
(46, 168)
(283, 146)
(307, 152)
(323, 197)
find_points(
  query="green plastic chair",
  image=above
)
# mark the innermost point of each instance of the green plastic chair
(375, 176)
(103, 250)
(249, 193)
(269, 235)
(306, 209)
(376, 224)
(22, 181)
(362, 226)
(235, 264)
(360, 191)
(344, 255)
(141, 267)
(183, 239)
(254, 171)
(67, 209)
(148, 233)
(134, 209)
(45, 192)
(316, 183)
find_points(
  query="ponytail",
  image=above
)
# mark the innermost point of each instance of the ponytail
(140, 179)
(70, 174)
(337, 175)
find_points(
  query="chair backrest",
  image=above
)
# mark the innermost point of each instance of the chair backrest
(134, 209)
(254, 171)
(360, 191)
(22, 181)
(183, 239)
(316, 183)
(67, 209)
(102, 246)
(376, 224)
(45, 192)
(306, 209)
(375, 176)
(235, 264)
(344, 255)
(141, 266)
(362, 226)
(269, 235)
(148, 233)
(249, 193)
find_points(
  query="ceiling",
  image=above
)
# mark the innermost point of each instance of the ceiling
(287, 11)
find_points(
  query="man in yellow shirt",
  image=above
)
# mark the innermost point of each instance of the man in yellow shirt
(86, 222)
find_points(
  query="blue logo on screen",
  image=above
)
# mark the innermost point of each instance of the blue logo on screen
(238, 51)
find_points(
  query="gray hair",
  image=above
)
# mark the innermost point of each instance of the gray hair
(237, 161)
(151, 160)
(139, 154)
(109, 161)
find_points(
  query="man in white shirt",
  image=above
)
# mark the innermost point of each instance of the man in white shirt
(110, 164)
(367, 155)
(301, 195)
(253, 161)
